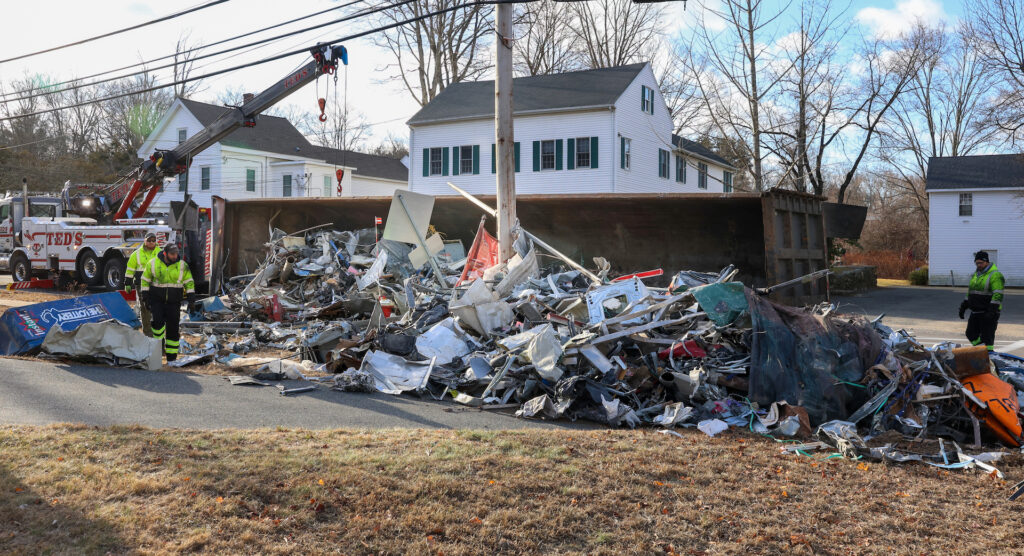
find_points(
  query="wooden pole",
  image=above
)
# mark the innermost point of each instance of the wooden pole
(504, 139)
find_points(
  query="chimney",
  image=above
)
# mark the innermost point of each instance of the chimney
(246, 98)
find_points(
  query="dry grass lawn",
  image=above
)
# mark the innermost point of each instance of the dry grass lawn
(73, 489)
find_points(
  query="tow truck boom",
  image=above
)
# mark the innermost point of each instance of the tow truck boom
(147, 178)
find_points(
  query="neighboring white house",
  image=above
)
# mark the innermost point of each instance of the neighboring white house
(270, 160)
(975, 203)
(596, 131)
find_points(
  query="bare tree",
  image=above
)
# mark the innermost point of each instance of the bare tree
(998, 26)
(939, 115)
(611, 33)
(184, 59)
(432, 53)
(345, 129)
(129, 120)
(392, 147)
(731, 73)
(544, 42)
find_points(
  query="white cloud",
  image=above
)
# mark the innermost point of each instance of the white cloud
(890, 23)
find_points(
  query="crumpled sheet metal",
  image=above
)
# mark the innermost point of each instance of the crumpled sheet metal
(538, 346)
(106, 340)
(393, 374)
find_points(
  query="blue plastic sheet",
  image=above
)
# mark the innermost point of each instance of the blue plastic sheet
(22, 329)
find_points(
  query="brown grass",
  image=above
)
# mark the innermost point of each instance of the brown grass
(888, 264)
(76, 489)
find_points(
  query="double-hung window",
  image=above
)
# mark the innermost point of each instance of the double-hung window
(182, 135)
(582, 152)
(625, 148)
(286, 185)
(647, 99)
(183, 181)
(547, 155)
(702, 175)
(680, 169)
(327, 186)
(966, 204)
(435, 161)
(465, 159)
(204, 181)
(727, 182)
(250, 179)
(662, 163)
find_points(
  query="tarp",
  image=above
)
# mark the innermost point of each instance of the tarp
(22, 329)
(110, 342)
(808, 360)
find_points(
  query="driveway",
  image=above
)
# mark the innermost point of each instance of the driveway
(931, 313)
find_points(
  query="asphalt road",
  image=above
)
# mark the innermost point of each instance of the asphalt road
(931, 313)
(39, 393)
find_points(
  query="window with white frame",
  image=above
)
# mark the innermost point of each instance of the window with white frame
(286, 185)
(702, 175)
(647, 99)
(626, 148)
(966, 204)
(204, 178)
(183, 181)
(465, 159)
(582, 152)
(435, 161)
(327, 186)
(727, 182)
(250, 179)
(680, 169)
(547, 155)
(182, 135)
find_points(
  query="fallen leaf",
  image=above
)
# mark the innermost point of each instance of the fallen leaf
(220, 499)
(60, 459)
(476, 521)
(320, 482)
(187, 479)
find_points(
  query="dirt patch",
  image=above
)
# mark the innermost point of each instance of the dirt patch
(471, 492)
(23, 296)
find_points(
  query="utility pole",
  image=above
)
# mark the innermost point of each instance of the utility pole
(504, 139)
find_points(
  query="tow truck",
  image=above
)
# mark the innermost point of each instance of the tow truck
(88, 232)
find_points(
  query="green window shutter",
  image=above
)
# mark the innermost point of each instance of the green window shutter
(494, 159)
(558, 154)
(570, 146)
(426, 162)
(444, 161)
(643, 98)
(516, 148)
(593, 152)
(536, 156)
(476, 159)
(456, 161)
(622, 153)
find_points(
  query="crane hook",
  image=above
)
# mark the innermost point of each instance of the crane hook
(323, 105)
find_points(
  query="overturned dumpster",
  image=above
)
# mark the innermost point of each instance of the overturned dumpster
(771, 237)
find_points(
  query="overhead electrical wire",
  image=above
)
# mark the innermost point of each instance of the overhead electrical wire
(183, 52)
(350, 17)
(266, 60)
(117, 32)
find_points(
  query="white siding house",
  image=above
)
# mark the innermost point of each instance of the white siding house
(270, 160)
(596, 131)
(975, 203)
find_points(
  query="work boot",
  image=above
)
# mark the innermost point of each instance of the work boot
(171, 357)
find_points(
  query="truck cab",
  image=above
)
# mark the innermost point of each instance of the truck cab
(12, 212)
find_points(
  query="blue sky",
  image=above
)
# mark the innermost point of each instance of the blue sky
(382, 101)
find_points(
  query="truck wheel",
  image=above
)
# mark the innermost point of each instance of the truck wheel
(90, 269)
(21, 269)
(113, 273)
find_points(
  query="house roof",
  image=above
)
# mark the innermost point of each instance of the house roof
(571, 90)
(993, 171)
(696, 148)
(277, 135)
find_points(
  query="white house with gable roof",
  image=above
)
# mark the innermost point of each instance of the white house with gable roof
(597, 131)
(271, 159)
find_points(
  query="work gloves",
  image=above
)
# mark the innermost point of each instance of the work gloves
(992, 311)
(128, 288)
(963, 308)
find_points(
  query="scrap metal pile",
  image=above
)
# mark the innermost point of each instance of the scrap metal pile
(551, 339)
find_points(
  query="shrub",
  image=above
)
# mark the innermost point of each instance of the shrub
(888, 264)
(918, 276)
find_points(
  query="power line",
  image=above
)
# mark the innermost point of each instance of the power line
(190, 50)
(266, 60)
(119, 31)
(356, 15)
